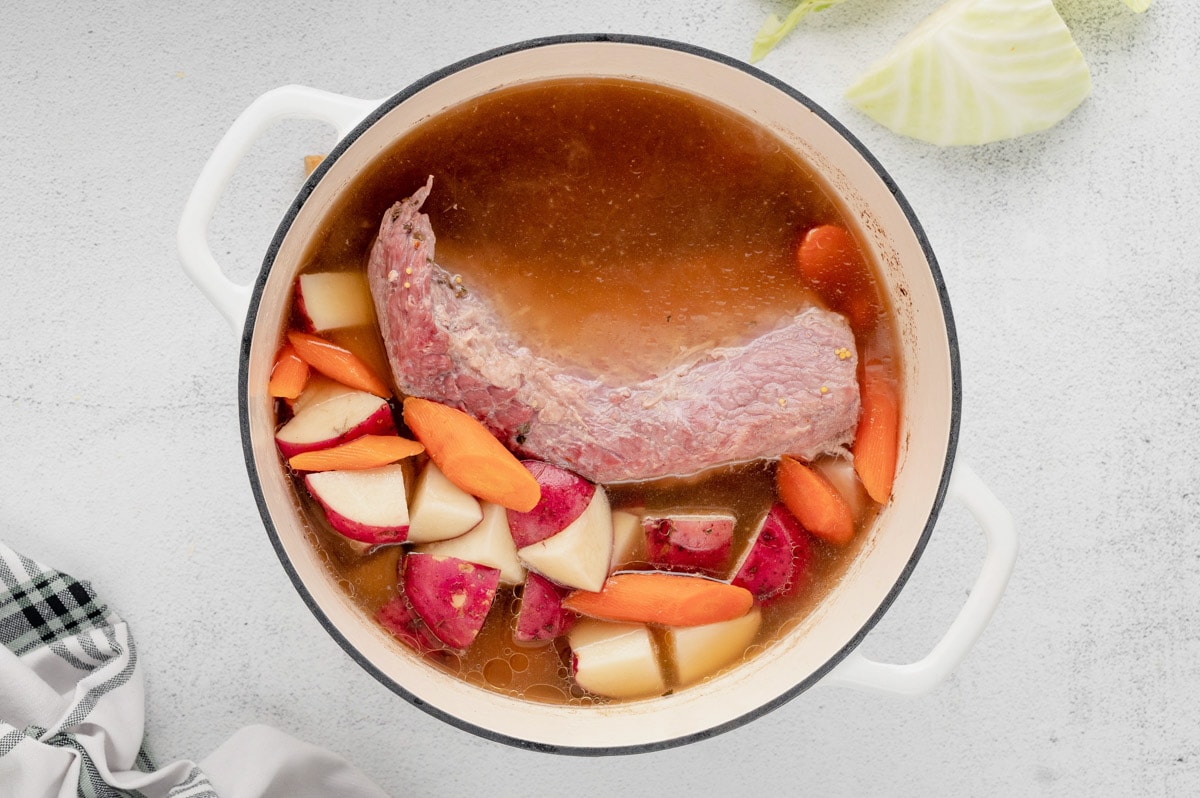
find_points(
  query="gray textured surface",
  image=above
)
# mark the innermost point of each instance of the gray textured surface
(1071, 260)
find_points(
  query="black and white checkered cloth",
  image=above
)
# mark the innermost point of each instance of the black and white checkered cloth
(72, 711)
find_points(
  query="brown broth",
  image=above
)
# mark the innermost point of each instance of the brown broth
(617, 226)
(564, 201)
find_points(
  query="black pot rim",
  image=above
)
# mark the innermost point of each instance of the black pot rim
(302, 589)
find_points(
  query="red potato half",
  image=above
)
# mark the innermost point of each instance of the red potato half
(564, 498)
(618, 660)
(369, 506)
(440, 510)
(768, 566)
(690, 543)
(398, 618)
(698, 651)
(578, 556)
(488, 543)
(337, 420)
(452, 597)
(542, 616)
(332, 300)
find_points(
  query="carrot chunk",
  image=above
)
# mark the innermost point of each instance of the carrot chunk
(877, 440)
(289, 374)
(829, 254)
(470, 456)
(311, 162)
(814, 501)
(670, 599)
(337, 363)
(365, 451)
(830, 261)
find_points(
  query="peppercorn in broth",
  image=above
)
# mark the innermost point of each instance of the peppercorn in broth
(618, 228)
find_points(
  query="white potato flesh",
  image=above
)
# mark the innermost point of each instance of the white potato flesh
(841, 474)
(629, 540)
(319, 389)
(441, 510)
(373, 497)
(488, 543)
(332, 300)
(579, 555)
(617, 660)
(332, 418)
(698, 651)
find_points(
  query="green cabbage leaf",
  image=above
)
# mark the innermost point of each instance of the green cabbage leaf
(774, 29)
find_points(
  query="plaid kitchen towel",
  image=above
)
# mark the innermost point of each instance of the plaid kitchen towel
(72, 711)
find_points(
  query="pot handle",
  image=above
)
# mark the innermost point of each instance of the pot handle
(286, 102)
(922, 676)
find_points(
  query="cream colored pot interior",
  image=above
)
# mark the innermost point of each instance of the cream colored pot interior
(891, 544)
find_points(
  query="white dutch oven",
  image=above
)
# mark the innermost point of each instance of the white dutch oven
(821, 649)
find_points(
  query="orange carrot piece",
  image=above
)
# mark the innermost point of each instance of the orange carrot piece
(666, 598)
(877, 440)
(815, 502)
(828, 254)
(862, 311)
(365, 451)
(311, 162)
(364, 343)
(289, 374)
(337, 363)
(830, 261)
(470, 456)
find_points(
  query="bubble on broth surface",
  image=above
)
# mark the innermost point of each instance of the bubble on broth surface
(545, 693)
(498, 672)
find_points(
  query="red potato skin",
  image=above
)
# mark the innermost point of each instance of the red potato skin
(768, 569)
(381, 422)
(451, 596)
(398, 618)
(364, 533)
(542, 616)
(689, 544)
(778, 563)
(564, 498)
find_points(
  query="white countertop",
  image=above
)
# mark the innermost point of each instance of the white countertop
(1070, 259)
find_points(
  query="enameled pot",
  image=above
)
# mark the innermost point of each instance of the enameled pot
(821, 649)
